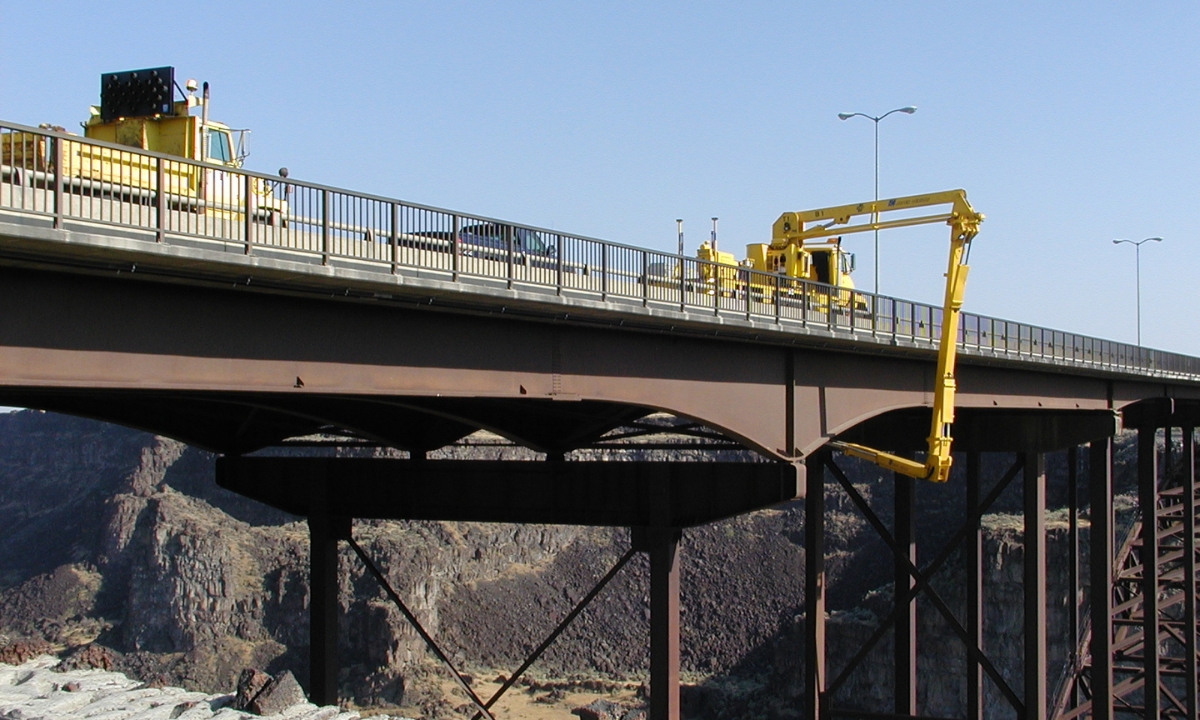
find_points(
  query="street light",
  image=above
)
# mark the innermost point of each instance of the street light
(908, 110)
(1137, 244)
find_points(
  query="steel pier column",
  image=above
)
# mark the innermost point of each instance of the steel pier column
(1147, 463)
(324, 532)
(974, 592)
(1188, 441)
(1035, 586)
(906, 624)
(1073, 566)
(662, 545)
(1100, 566)
(814, 587)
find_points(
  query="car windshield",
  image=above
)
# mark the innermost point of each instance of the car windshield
(531, 240)
(526, 240)
(488, 231)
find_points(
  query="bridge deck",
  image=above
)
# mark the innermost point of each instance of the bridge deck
(300, 234)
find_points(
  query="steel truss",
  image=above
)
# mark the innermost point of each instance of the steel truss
(1135, 678)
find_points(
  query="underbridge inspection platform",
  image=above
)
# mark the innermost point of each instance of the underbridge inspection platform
(366, 318)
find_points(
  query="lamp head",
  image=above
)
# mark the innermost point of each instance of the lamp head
(909, 110)
(1155, 239)
(845, 116)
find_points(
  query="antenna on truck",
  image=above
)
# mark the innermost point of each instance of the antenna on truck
(204, 124)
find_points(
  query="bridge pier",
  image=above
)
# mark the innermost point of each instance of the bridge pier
(1034, 580)
(905, 643)
(324, 532)
(814, 587)
(1100, 495)
(654, 499)
(661, 544)
(974, 561)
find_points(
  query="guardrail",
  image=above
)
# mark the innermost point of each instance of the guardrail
(67, 178)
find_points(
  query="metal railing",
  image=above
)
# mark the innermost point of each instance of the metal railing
(66, 178)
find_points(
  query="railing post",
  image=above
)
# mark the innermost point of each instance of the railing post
(804, 303)
(508, 242)
(455, 261)
(324, 226)
(57, 149)
(897, 318)
(682, 284)
(746, 290)
(248, 208)
(778, 297)
(160, 200)
(717, 288)
(558, 266)
(645, 279)
(603, 271)
(395, 221)
(874, 316)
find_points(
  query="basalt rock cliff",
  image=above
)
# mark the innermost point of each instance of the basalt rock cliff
(117, 538)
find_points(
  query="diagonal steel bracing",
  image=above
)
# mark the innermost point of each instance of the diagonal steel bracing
(416, 624)
(921, 584)
(483, 709)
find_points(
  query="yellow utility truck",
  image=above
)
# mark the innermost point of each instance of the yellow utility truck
(139, 109)
(805, 259)
(788, 258)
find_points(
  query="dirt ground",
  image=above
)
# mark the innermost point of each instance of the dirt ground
(530, 699)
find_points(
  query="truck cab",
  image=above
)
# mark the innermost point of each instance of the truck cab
(166, 125)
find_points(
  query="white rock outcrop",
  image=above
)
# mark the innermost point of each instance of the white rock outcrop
(35, 691)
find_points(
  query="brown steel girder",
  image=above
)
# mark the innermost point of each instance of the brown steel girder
(237, 423)
(233, 369)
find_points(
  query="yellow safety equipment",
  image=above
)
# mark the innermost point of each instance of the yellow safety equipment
(964, 226)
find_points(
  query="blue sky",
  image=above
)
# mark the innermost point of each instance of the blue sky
(1069, 124)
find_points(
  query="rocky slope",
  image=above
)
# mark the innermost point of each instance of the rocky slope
(42, 689)
(119, 538)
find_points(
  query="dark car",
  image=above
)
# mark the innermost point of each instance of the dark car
(489, 240)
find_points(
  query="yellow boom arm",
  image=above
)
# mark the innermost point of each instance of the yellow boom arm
(964, 226)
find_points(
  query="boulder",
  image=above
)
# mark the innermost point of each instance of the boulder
(88, 657)
(250, 683)
(600, 710)
(280, 694)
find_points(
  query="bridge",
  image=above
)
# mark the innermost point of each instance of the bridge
(238, 311)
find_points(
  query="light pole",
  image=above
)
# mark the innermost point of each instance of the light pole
(1137, 244)
(908, 110)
